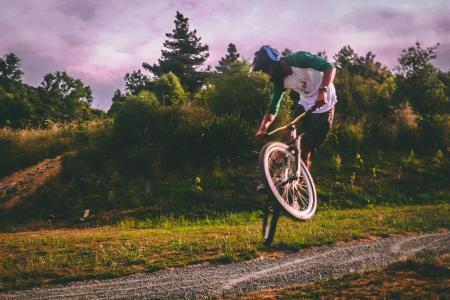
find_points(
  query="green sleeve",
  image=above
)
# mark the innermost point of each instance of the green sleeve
(277, 95)
(303, 59)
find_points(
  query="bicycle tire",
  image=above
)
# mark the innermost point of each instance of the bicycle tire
(269, 225)
(301, 191)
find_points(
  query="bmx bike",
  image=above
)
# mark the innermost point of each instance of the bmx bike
(287, 180)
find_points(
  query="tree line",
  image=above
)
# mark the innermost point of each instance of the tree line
(409, 104)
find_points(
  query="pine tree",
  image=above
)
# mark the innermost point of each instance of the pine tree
(231, 56)
(136, 82)
(183, 55)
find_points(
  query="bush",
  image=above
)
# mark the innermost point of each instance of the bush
(351, 134)
(238, 92)
(24, 147)
(221, 139)
(138, 122)
(178, 136)
(401, 128)
(437, 132)
(169, 90)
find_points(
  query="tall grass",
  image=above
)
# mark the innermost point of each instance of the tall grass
(21, 148)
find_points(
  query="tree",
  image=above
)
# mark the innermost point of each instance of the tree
(136, 82)
(346, 57)
(15, 108)
(238, 92)
(415, 60)
(419, 82)
(365, 66)
(117, 101)
(183, 55)
(10, 68)
(64, 98)
(169, 91)
(231, 56)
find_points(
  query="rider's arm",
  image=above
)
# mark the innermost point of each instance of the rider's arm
(265, 123)
(328, 77)
(272, 109)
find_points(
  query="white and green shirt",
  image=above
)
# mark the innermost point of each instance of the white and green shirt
(306, 79)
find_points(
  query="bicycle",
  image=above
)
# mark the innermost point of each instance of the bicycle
(287, 179)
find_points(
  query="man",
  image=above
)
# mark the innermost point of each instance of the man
(309, 75)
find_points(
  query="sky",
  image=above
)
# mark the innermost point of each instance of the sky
(98, 41)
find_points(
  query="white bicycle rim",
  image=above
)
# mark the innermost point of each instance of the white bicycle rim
(298, 197)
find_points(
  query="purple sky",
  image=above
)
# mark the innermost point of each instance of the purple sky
(99, 41)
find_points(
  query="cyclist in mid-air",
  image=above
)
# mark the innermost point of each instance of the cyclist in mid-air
(309, 75)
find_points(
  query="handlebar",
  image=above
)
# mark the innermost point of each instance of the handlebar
(309, 111)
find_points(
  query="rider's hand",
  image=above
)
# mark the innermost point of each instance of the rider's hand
(321, 99)
(260, 134)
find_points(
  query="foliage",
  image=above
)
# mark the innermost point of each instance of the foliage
(231, 56)
(183, 55)
(169, 90)
(20, 148)
(416, 60)
(365, 66)
(241, 93)
(136, 82)
(10, 68)
(59, 98)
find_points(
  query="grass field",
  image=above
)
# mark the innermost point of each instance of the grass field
(51, 256)
(404, 280)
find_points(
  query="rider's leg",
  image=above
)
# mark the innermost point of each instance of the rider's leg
(316, 130)
(307, 155)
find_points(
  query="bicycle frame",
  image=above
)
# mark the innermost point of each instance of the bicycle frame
(296, 142)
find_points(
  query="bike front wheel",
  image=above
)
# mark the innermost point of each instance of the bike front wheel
(296, 194)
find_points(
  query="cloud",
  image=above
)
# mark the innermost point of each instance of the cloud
(442, 60)
(99, 41)
(34, 63)
(83, 10)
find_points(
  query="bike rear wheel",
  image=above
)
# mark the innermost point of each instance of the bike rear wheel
(296, 195)
(270, 220)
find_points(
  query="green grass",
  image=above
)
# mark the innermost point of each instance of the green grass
(20, 148)
(51, 256)
(427, 279)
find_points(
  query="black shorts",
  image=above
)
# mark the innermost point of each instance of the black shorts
(314, 127)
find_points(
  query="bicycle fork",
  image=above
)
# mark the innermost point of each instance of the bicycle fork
(297, 150)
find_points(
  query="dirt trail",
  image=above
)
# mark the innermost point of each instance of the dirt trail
(14, 188)
(205, 281)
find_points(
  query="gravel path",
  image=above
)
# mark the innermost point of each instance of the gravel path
(203, 281)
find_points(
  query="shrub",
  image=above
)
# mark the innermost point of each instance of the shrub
(437, 132)
(200, 144)
(401, 128)
(238, 92)
(169, 90)
(24, 147)
(351, 134)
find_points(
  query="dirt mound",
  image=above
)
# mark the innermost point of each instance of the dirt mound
(19, 185)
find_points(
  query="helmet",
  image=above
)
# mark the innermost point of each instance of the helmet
(263, 57)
